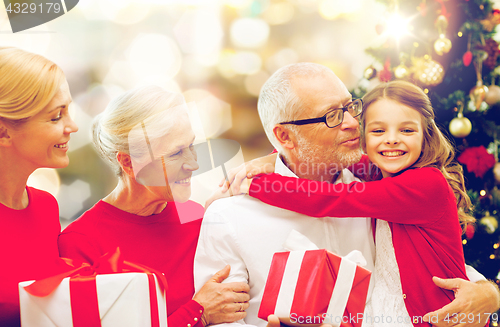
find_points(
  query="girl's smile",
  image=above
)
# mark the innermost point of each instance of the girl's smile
(393, 136)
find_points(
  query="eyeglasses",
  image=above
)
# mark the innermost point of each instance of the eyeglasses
(334, 117)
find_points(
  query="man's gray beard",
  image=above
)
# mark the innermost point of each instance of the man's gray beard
(321, 162)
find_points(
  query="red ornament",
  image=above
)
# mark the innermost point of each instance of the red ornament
(469, 231)
(467, 58)
(477, 160)
(385, 74)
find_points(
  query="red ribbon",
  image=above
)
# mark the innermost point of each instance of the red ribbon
(83, 291)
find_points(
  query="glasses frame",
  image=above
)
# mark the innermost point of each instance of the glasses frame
(323, 118)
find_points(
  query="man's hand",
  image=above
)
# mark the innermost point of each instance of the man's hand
(473, 303)
(222, 303)
(273, 321)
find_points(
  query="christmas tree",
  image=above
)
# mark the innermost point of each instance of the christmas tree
(449, 49)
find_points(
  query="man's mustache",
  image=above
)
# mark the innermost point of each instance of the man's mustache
(348, 137)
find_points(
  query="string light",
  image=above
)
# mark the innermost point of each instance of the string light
(496, 245)
(460, 34)
(482, 193)
(492, 256)
(464, 242)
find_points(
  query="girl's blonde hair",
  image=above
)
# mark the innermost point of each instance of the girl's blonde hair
(28, 83)
(437, 151)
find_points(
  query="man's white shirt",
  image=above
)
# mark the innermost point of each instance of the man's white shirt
(245, 233)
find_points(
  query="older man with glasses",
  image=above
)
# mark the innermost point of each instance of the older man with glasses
(310, 118)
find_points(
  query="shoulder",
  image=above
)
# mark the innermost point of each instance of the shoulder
(429, 177)
(86, 221)
(40, 197)
(231, 205)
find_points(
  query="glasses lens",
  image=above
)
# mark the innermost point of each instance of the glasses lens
(355, 108)
(334, 118)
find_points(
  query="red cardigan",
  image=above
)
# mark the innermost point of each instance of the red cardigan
(164, 242)
(421, 209)
(28, 249)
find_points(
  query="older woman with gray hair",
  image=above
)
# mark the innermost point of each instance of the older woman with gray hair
(146, 136)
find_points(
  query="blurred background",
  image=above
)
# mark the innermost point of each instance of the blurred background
(218, 53)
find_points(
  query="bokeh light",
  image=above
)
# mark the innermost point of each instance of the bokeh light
(151, 54)
(249, 32)
(199, 32)
(332, 9)
(253, 83)
(71, 198)
(396, 26)
(45, 179)
(279, 13)
(246, 62)
(214, 113)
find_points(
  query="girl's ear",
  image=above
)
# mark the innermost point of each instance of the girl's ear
(284, 136)
(5, 135)
(126, 163)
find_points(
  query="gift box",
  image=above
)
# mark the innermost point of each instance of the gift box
(90, 299)
(315, 287)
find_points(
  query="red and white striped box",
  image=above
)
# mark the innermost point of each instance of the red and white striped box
(315, 287)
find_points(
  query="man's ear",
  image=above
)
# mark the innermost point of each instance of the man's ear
(125, 162)
(284, 136)
(5, 135)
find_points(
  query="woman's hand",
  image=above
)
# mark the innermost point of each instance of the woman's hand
(236, 176)
(222, 302)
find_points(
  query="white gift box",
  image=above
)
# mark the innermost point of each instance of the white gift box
(123, 301)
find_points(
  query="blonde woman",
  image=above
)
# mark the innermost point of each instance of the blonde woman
(35, 128)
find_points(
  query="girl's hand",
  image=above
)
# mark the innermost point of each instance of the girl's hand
(222, 302)
(236, 176)
(220, 193)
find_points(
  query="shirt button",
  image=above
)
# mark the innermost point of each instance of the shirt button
(404, 296)
(195, 319)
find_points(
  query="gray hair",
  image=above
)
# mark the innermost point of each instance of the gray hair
(278, 101)
(113, 129)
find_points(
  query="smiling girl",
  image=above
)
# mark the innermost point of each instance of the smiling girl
(420, 203)
(35, 128)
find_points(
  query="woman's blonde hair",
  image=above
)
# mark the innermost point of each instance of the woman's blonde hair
(121, 126)
(437, 151)
(28, 82)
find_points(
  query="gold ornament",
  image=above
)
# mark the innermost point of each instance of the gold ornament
(401, 71)
(478, 93)
(442, 45)
(489, 223)
(441, 22)
(460, 126)
(428, 71)
(493, 95)
(370, 73)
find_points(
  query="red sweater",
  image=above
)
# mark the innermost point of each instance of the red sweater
(28, 249)
(422, 213)
(160, 241)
